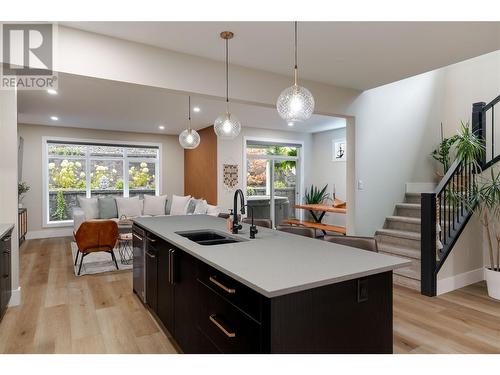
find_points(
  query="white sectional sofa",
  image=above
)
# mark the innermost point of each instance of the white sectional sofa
(109, 208)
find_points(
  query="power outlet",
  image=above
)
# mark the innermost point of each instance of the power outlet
(361, 185)
(362, 290)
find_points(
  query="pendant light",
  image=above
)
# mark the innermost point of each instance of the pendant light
(295, 103)
(189, 138)
(227, 126)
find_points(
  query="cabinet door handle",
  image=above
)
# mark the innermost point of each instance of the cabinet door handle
(222, 286)
(138, 237)
(151, 240)
(6, 252)
(150, 255)
(6, 239)
(171, 267)
(213, 319)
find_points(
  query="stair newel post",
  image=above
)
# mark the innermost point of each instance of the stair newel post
(479, 128)
(428, 244)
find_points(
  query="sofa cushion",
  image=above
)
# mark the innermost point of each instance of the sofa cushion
(90, 206)
(107, 208)
(201, 207)
(154, 205)
(179, 204)
(129, 207)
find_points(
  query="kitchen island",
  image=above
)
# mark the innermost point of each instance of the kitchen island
(277, 293)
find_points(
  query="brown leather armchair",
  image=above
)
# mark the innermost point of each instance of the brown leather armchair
(301, 231)
(266, 223)
(364, 243)
(94, 236)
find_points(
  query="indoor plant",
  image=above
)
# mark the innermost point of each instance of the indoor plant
(22, 189)
(316, 196)
(485, 200)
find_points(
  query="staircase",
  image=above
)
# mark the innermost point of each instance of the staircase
(400, 236)
(444, 218)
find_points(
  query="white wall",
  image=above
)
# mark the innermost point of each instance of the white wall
(397, 126)
(394, 135)
(8, 180)
(172, 175)
(326, 171)
(120, 60)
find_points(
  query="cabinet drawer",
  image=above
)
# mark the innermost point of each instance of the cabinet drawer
(235, 292)
(227, 327)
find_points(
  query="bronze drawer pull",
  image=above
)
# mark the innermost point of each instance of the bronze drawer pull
(222, 286)
(221, 327)
(138, 237)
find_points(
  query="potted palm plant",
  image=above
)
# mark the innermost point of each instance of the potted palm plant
(485, 200)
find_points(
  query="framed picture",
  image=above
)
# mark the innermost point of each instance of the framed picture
(339, 150)
(230, 175)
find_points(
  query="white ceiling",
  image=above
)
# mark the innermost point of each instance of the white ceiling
(358, 55)
(92, 103)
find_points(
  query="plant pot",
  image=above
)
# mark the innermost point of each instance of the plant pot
(492, 282)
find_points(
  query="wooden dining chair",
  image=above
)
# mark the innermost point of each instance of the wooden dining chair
(96, 236)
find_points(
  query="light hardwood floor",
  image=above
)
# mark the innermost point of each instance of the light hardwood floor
(61, 313)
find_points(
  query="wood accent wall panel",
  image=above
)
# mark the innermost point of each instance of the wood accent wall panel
(200, 168)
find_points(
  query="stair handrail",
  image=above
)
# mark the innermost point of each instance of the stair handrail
(440, 226)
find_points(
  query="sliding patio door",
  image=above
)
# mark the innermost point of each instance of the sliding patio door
(272, 180)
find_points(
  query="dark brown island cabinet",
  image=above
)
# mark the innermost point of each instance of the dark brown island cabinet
(206, 311)
(5, 272)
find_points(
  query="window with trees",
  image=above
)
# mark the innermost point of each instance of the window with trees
(96, 170)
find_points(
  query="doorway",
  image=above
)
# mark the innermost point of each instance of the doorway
(273, 179)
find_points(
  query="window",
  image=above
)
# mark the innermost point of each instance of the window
(84, 169)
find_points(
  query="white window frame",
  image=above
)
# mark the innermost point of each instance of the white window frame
(47, 223)
(300, 159)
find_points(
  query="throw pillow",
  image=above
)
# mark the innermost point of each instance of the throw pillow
(90, 206)
(191, 206)
(129, 207)
(154, 205)
(213, 210)
(107, 208)
(179, 204)
(201, 207)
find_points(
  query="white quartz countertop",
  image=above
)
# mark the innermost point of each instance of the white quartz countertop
(274, 263)
(4, 228)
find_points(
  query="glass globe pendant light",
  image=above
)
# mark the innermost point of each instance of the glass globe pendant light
(227, 126)
(189, 138)
(295, 103)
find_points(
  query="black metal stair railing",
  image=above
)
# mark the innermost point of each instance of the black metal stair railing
(443, 216)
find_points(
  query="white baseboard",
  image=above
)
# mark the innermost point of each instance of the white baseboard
(15, 298)
(48, 233)
(420, 187)
(458, 281)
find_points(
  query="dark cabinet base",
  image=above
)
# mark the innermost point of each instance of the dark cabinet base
(207, 311)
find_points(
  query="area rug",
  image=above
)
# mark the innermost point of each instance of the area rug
(98, 262)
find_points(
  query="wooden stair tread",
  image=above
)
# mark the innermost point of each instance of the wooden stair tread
(314, 225)
(399, 233)
(404, 219)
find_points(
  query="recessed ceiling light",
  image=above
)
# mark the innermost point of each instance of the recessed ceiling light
(196, 109)
(161, 127)
(52, 92)
(54, 118)
(290, 123)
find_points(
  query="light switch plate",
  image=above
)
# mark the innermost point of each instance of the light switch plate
(361, 185)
